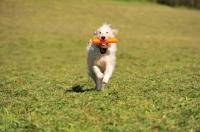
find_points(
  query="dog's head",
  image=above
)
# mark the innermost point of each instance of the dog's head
(105, 32)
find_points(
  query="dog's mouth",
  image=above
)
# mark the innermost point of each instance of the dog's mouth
(103, 50)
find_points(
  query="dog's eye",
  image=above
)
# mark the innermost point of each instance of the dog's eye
(106, 32)
(99, 32)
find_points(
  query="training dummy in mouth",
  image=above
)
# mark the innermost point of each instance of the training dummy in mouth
(107, 41)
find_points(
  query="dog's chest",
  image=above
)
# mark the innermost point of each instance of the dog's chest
(100, 62)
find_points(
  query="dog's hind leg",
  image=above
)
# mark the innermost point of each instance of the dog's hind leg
(98, 84)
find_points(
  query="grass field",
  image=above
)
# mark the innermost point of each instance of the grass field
(43, 79)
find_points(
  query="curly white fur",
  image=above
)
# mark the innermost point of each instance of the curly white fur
(101, 63)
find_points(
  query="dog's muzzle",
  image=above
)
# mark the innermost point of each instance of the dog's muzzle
(102, 45)
(103, 38)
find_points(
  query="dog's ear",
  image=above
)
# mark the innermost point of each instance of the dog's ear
(115, 31)
(105, 24)
(95, 34)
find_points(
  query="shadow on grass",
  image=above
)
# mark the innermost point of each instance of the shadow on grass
(79, 89)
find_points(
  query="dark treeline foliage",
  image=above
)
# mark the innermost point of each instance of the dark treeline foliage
(188, 3)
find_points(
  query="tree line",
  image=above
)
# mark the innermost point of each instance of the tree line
(175, 3)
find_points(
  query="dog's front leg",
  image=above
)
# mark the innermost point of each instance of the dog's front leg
(98, 72)
(99, 76)
(107, 74)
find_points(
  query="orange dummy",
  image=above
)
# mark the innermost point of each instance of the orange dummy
(98, 41)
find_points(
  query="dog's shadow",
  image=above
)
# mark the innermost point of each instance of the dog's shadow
(79, 89)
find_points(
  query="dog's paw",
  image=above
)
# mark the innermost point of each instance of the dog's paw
(98, 88)
(100, 75)
(105, 80)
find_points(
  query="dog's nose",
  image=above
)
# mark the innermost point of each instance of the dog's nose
(103, 37)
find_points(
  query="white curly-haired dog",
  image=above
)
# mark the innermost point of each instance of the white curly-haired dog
(101, 57)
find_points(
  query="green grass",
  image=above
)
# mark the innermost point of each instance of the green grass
(43, 79)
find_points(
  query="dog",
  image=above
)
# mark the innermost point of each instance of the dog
(101, 58)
